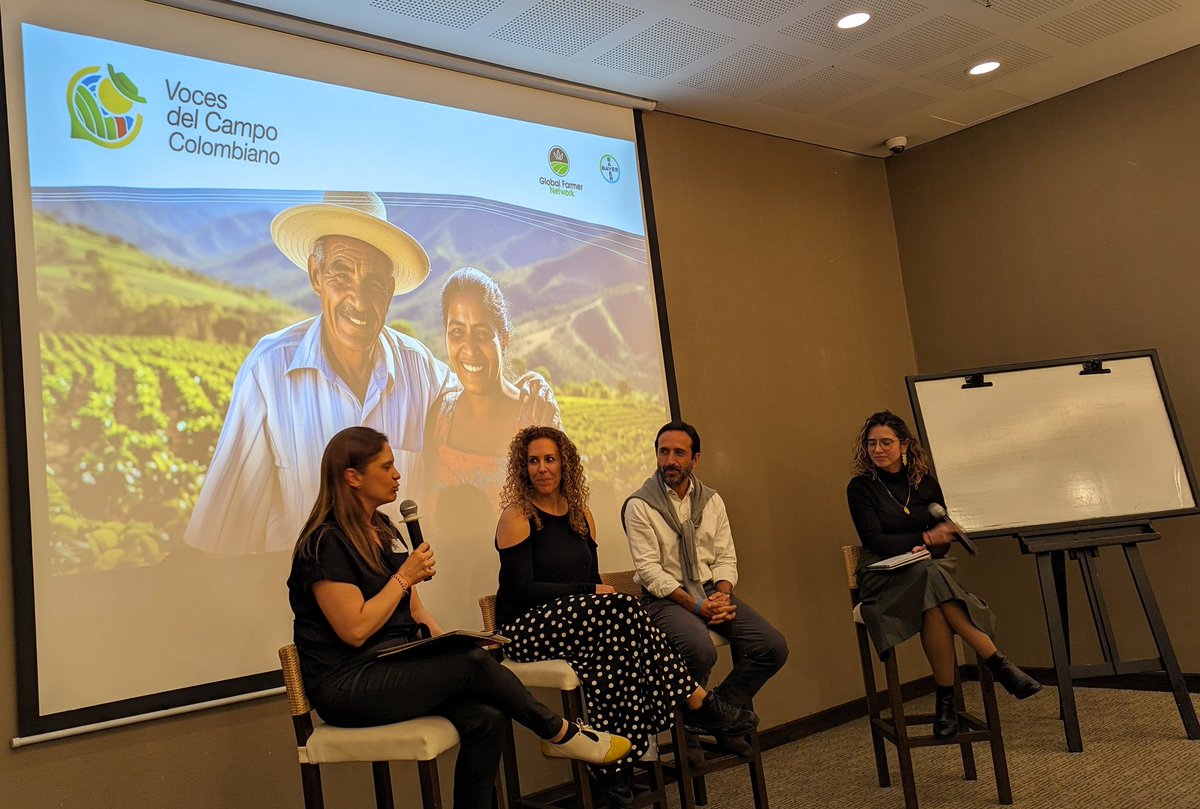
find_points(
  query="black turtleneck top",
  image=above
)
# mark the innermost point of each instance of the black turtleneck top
(877, 508)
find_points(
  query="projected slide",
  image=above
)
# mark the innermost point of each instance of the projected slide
(233, 265)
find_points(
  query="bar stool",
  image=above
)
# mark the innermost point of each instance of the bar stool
(894, 726)
(420, 740)
(689, 776)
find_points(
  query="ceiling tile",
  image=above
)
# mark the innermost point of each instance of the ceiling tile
(454, 13)
(1023, 10)
(752, 12)
(566, 27)
(747, 71)
(1106, 18)
(825, 87)
(663, 48)
(931, 40)
(820, 27)
(1012, 56)
(891, 103)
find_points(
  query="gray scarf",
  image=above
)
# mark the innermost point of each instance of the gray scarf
(654, 493)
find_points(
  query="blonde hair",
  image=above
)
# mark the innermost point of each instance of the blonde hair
(518, 488)
(352, 448)
(916, 467)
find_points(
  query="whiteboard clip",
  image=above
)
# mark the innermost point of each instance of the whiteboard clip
(975, 381)
(1095, 366)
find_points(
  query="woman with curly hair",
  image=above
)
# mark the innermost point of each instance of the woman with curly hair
(889, 499)
(552, 605)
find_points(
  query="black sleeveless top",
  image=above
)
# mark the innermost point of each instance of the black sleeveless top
(553, 562)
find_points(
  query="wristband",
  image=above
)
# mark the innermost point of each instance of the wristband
(699, 606)
(400, 580)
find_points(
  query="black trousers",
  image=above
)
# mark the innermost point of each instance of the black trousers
(462, 683)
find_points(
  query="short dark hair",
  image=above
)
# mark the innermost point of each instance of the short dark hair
(682, 427)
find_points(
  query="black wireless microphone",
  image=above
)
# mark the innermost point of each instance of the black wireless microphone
(937, 512)
(408, 509)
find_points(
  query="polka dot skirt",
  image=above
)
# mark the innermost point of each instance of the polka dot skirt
(632, 678)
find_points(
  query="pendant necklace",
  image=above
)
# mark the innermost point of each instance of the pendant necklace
(903, 507)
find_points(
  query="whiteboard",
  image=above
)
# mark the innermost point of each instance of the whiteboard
(1045, 445)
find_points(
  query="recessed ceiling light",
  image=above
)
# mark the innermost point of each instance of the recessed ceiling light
(983, 67)
(853, 20)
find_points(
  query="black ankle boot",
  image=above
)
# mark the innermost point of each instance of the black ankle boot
(1015, 681)
(945, 718)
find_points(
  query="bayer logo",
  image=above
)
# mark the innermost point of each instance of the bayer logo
(610, 169)
(560, 164)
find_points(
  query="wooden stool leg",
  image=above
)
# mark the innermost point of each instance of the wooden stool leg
(758, 776)
(873, 709)
(310, 780)
(991, 713)
(512, 778)
(573, 710)
(381, 773)
(683, 768)
(960, 705)
(431, 788)
(903, 749)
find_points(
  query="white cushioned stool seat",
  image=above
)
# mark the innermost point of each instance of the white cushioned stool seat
(556, 674)
(420, 739)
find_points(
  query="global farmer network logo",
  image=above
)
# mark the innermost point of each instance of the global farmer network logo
(560, 166)
(102, 107)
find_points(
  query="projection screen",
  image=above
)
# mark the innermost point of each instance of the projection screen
(172, 371)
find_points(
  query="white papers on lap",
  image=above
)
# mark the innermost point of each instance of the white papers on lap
(893, 562)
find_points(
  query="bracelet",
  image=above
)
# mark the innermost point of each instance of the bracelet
(400, 580)
(699, 606)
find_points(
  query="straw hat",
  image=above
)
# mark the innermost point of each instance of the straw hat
(359, 215)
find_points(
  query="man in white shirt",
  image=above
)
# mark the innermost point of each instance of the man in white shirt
(683, 550)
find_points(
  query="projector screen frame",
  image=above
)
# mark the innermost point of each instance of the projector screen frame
(31, 723)
(979, 377)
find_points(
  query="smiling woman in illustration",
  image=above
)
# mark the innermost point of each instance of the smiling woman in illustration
(469, 432)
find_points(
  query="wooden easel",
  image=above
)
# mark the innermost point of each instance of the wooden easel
(1051, 550)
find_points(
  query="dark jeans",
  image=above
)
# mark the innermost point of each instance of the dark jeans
(464, 684)
(759, 650)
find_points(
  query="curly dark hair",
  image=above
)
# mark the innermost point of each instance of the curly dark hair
(916, 467)
(518, 488)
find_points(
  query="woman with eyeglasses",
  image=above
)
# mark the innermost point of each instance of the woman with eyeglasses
(889, 499)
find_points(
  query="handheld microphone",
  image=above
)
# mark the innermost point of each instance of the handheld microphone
(408, 509)
(937, 512)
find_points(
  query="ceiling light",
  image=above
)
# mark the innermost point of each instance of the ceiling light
(854, 20)
(983, 67)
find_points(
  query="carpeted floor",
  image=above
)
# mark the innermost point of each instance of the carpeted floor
(1136, 756)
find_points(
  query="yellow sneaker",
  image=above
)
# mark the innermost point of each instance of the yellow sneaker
(592, 746)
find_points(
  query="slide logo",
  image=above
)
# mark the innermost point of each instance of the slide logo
(560, 164)
(610, 169)
(101, 105)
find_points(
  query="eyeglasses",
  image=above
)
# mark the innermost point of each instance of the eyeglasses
(882, 443)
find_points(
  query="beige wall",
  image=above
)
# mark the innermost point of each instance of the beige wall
(1065, 229)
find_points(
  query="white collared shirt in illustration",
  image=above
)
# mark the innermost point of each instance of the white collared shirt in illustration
(287, 403)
